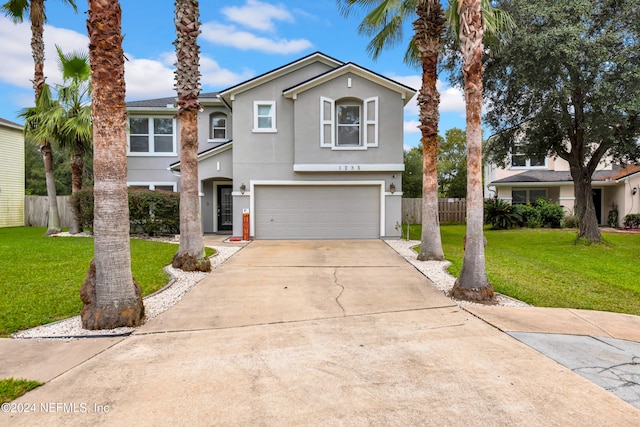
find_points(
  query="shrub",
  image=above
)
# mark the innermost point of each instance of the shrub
(82, 205)
(154, 212)
(613, 218)
(530, 216)
(632, 221)
(150, 212)
(571, 221)
(551, 214)
(501, 214)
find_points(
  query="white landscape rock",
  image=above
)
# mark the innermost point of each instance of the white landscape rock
(436, 271)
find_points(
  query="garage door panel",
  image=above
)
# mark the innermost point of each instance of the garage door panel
(317, 212)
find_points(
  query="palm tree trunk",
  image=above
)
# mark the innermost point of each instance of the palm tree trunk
(110, 295)
(190, 255)
(37, 17)
(77, 166)
(473, 283)
(53, 223)
(429, 28)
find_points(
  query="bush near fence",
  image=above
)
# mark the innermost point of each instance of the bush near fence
(449, 211)
(150, 212)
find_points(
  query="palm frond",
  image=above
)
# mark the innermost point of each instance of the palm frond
(15, 10)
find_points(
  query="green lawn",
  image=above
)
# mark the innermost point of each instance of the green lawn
(546, 268)
(40, 277)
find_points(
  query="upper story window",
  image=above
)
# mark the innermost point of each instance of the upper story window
(264, 116)
(349, 124)
(218, 127)
(153, 136)
(520, 160)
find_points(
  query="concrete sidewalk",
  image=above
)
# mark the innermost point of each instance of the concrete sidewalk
(319, 333)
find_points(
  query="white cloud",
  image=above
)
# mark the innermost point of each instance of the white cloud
(229, 35)
(258, 15)
(145, 77)
(218, 77)
(411, 126)
(451, 99)
(16, 66)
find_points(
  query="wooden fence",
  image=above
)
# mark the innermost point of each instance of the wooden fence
(449, 210)
(36, 211)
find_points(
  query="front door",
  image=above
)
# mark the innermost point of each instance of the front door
(225, 208)
(597, 202)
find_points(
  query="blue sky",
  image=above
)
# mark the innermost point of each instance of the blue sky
(240, 39)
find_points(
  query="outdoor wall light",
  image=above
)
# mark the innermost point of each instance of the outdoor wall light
(392, 188)
(634, 191)
(243, 188)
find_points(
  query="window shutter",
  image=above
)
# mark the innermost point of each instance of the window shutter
(370, 131)
(327, 122)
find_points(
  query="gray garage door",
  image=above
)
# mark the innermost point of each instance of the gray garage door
(317, 212)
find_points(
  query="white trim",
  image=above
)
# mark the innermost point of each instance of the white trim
(253, 184)
(211, 130)
(349, 167)
(256, 106)
(12, 125)
(203, 156)
(279, 72)
(152, 185)
(331, 121)
(405, 92)
(374, 122)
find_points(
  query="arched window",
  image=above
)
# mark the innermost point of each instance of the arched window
(218, 126)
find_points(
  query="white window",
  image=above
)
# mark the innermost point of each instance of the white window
(162, 186)
(523, 196)
(264, 116)
(349, 124)
(519, 159)
(218, 127)
(152, 136)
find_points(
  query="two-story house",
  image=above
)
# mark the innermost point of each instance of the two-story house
(12, 177)
(311, 150)
(526, 179)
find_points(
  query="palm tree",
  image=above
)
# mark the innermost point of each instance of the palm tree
(190, 255)
(468, 19)
(385, 22)
(110, 295)
(15, 10)
(76, 131)
(67, 120)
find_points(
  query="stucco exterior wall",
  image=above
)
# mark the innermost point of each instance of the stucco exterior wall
(12, 177)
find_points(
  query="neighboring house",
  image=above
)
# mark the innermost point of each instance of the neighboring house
(12, 177)
(527, 179)
(312, 150)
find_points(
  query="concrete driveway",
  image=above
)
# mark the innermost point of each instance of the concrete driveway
(319, 333)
